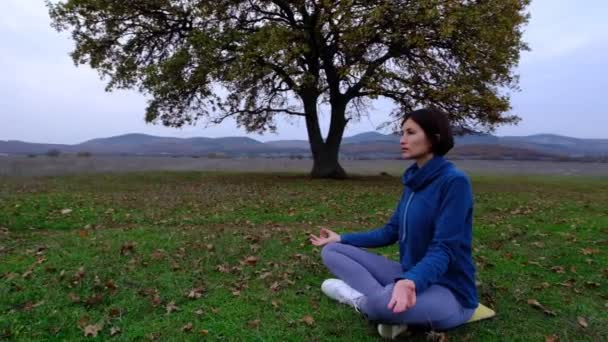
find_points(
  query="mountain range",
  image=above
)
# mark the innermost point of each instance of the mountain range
(369, 145)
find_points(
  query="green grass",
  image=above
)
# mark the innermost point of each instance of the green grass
(144, 240)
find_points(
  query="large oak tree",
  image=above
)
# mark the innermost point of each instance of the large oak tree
(256, 60)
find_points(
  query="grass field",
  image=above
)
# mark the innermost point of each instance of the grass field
(221, 256)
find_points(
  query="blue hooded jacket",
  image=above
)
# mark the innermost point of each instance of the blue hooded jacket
(433, 224)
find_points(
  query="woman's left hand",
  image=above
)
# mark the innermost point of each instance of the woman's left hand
(404, 296)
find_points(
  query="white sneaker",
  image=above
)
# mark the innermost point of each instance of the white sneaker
(339, 290)
(391, 331)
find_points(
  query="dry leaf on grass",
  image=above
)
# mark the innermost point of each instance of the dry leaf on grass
(537, 305)
(590, 251)
(275, 286)
(435, 336)
(171, 307)
(552, 338)
(187, 327)
(542, 286)
(92, 330)
(74, 298)
(254, 324)
(195, 293)
(114, 331)
(582, 322)
(308, 320)
(251, 260)
(127, 248)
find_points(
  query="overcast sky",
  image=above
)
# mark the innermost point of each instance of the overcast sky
(45, 98)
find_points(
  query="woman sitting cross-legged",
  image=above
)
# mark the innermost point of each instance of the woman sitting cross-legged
(433, 284)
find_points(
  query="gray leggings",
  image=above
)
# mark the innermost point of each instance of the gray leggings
(374, 276)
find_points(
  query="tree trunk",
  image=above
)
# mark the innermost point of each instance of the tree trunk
(325, 153)
(326, 165)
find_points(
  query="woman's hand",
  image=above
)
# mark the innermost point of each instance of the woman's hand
(325, 236)
(404, 296)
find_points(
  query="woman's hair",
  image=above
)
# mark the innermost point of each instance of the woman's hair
(436, 126)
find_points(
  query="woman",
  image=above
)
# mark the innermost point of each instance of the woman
(433, 285)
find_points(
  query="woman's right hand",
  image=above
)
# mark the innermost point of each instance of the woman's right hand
(325, 236)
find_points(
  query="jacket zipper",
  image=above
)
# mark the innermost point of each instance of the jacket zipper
(407, 205)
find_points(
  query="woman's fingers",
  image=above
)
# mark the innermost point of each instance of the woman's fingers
(314, 240)
(412, 299)
(391, 303)
(324, 232)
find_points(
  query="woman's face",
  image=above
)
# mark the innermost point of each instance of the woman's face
(414, 142)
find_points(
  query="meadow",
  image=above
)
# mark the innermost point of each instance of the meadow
(224, 256)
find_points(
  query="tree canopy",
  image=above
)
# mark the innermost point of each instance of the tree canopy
(255, 60)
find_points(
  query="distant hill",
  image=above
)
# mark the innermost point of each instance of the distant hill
(368, 145)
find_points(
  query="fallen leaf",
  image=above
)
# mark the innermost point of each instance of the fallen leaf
(27, 306)
(590, 251)
(435, 336)
(114, 312)
(114, 331)
(187, 327)
(582, 322)
(127, 248)
(79, 275)
(199, 312)
(27, 274)
(66, 211)
(251, 260)
(265, 275)
(236, 293)
(155, 300)
(537, 305)
(110, 285)
(158, 254)
(308, 320)
(171, 307)
(83, 233)
(83, 321)
(275, 286)
(204, 332)
(223, 268)
(11, 276)
(195, 293)
(542, 286)
(93, 329)
(94, 299)
(275, 303)
(558, 269)
(552, 338)
(254, 324)
(74, 298)
(210, 247)
(592, 284)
